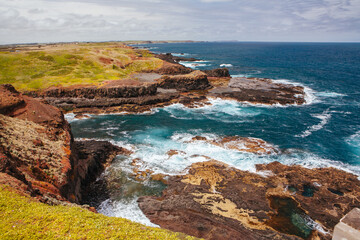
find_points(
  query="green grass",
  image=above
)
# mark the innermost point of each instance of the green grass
(23, 218)
(73, 65)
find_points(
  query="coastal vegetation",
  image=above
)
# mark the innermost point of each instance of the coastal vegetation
(23, 217)
(36, 68)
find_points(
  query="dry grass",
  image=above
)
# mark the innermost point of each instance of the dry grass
(72, 64)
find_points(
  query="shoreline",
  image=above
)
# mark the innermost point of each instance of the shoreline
(188, 88)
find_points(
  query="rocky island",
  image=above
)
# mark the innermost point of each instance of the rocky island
(41, 161)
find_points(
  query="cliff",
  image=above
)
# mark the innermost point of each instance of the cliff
(38, 153)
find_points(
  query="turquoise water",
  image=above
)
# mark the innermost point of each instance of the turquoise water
(324, 132)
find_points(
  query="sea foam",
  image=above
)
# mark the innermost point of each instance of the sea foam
(324, 119)
(194, 64)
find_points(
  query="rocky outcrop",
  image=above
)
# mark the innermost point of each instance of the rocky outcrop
(218, 72)
(168, 57)
(216, 201)
(196, 80)
(91, 92)
(9, 99)
(72, 103)
(263, 91)
(241, 144)
(173, 69)
(37, 151)
(92, 157)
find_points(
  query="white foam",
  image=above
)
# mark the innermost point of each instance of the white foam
(71, 117)
(310, 97)
(354, 142)
(310, 160)
(181, 54)
(226, 65)
(125, 208)
(324, 119)
(218, 109)
(240, 75)
(315, 225)
(330, 94)
(194, 64)
(154, 144)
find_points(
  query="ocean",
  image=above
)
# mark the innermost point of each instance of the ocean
(325, 132)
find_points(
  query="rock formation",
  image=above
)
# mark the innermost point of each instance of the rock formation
(216, 201)
(218, 72)
(38, 153)
(196, 80)
(263, 91)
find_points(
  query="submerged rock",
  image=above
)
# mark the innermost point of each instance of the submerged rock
(216, 201)
(241, 144)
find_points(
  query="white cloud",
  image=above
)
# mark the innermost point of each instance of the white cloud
(98, 20)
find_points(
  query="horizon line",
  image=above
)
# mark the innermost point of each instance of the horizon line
(173, 41)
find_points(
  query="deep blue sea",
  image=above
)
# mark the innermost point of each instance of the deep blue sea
(324, 132)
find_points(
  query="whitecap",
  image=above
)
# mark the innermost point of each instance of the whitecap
(194, 64)
(226, 65)
(330, 94)
(181, 54)
(324, 119)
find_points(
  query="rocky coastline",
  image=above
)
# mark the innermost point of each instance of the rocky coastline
(172, 83)
(40, 158)
(39, 155)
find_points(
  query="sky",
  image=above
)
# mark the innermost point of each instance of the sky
(29, 21)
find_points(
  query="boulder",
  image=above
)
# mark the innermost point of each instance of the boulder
(218, 72)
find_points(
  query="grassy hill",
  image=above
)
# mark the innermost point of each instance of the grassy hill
(35, 68)
(23, 218)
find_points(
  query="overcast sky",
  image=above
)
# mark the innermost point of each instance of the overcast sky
(244, 20)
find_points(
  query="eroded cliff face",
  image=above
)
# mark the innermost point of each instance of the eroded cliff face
(37, 151)
(196, 80)
(216, 201)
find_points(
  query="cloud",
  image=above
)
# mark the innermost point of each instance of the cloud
(100, 20)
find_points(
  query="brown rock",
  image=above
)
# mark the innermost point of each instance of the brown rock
(37, 149)
(196, 80)
(218, 72)
(215, 201)
(259, 90)
(242, 144)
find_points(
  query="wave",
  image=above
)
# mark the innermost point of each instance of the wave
(330, 94)
(324, 119)
(226, 65)
(181, 54)
(354, 142)
(71, 117)
(310, 94)
(153, 146)
(240, 75)
(125, 208)
(218, 109)
(194, 64)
